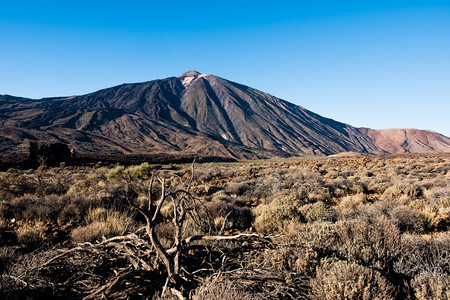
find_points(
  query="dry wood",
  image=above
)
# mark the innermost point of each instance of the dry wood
(143, 248)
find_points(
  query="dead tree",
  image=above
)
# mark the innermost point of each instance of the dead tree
(143, 248)
(183, 203)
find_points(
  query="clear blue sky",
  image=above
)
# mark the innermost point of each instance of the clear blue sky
(378, 64)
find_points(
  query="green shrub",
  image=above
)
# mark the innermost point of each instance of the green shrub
(132, 172)
(115, 173)
(140, 171)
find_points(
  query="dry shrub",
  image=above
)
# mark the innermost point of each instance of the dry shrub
(412, 191)
(291, 258)
(436, 219)
(3, 224)
(224, 290)
(436, 208)
(320, 236)
(32, 286)
(379, 184)
(207, 173)
(342, 187)
(284, 207)
(19, 205)
(218, 207)
(167, 210)
(51, 184)
(238, 215)
(431, 285)
(51, 282)
(7, 257)
(350, 281)
(221, 222)
(221, 196)
(166, 232)
(442, 169)
(4, 209)
(237, 188)
(17, 184)
(31, 207)
(439, 196)
(300, 249)
(102, 222)
(74, 208)
(431, 255)
(31, 235)
(88, 183)
(374, 243)
(318, 211)
(351, 205)
(91, 232)
(408, 219)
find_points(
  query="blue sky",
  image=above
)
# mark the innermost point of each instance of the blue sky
(378, 64)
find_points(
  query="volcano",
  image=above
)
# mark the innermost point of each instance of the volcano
(194, 113)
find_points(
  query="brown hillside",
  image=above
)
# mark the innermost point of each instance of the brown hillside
(408, 140)
(192, 113)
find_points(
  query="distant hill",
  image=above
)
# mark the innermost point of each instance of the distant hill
(407, 140)
(194, 113)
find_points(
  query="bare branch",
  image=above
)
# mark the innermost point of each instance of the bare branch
(192, 175)
(222, 229)
(150, 197)
(146, 251)
(216, 238)
(108, 288)
(161, 200)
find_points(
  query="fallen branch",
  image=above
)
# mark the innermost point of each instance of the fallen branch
(110, 287)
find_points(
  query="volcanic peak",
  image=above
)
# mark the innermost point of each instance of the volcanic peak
(190, 73)
(189, 77)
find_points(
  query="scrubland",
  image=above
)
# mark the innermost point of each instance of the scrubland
(361, 227)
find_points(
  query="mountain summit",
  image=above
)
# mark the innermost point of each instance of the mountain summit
(195, 113)
(190, 73)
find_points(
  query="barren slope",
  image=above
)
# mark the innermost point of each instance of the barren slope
(194, 113)
(408, 140)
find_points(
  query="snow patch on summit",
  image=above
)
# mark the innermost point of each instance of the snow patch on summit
(188, 80)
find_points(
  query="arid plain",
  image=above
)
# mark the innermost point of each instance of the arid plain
(349, 226)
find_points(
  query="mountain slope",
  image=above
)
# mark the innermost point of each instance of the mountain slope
(195, 113)
(407, 140)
